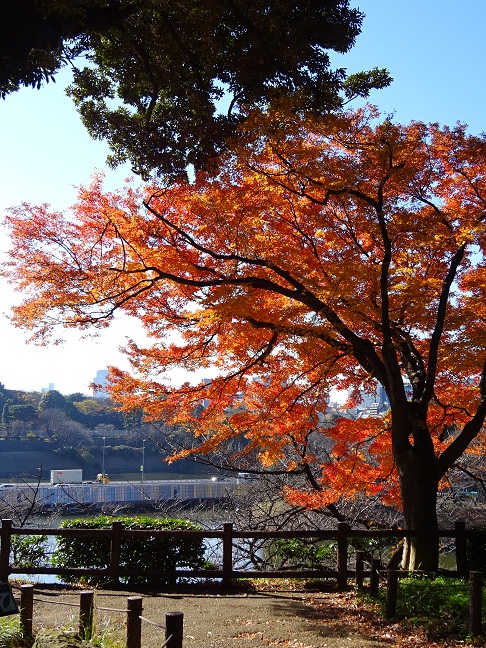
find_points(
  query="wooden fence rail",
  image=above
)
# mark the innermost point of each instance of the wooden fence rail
(228, 535)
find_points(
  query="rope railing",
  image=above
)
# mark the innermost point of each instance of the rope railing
(39, 600)
(106, 609)
(173, 620)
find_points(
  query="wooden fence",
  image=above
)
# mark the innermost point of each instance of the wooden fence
(229, 538)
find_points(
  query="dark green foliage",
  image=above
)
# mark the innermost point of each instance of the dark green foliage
(476, 550)
(153, 90)
(156, 553)
(305, 554)
(28, 551)
(158, 69)
(381, 548)
(54, 400)
(51, 400)
(23, 413)
(439, 604)
(39, 37)
(3, 397)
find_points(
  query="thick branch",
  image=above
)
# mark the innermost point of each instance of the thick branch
(468, 434)
(439, 325)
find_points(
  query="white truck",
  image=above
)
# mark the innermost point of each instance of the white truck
(73, 476)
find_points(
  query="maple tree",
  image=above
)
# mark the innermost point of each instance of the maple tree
(325, 254)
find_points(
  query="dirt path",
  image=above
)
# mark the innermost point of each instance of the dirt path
(233, 620)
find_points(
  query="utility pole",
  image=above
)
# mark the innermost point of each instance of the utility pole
(142, 467)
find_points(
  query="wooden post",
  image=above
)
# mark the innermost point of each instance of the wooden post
(26, 610)
(475, 603)
(360, 556)
(374, 577)
(227, 553)
(115, 552)
(5, 541)
(391, 593)
(86, 615)
(174, 622)
(342, 554)
(461, 560)
(134, 622)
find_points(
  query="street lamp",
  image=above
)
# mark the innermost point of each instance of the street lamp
(142, 467)
(103, 465)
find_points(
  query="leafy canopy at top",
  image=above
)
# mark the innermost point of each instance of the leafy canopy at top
(158, 69)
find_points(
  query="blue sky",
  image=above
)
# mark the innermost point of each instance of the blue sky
(435, 50)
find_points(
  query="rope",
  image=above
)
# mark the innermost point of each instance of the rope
(437, 586)
(166, 641)
(105, 609)
(157, 625)
(56, 602)
(95, 607)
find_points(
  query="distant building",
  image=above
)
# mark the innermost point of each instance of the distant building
(46, 389)
(101, 379)
(374, 402)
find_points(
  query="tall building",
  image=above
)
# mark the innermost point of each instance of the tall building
(101, 379)
(374, 401)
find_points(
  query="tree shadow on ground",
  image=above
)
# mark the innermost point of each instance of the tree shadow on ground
(329, 614)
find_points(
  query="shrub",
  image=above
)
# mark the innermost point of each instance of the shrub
(439, 604)
(10, 633)
(157, 553)
(28, 551)
(304, 554)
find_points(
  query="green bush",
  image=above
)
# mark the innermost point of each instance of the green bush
(440, 604)
(136, 553)
(381, 548)
(10, 633)
(28, 551)
(307, 554)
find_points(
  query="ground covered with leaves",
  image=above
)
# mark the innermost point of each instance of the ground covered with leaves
(257, 615)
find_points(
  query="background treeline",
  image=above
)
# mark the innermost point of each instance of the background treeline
(55, 431)
(67, 420)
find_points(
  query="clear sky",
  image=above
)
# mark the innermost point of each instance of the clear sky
(434, 49)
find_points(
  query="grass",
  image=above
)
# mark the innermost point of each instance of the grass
(106, 635)
(439, 604)
(10, 634)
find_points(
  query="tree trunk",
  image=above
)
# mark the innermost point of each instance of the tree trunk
(418, 484)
